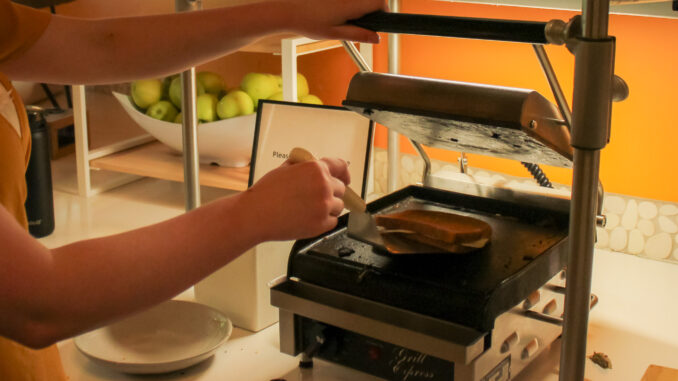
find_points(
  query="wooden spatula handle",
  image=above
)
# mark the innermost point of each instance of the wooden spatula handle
(352, 200)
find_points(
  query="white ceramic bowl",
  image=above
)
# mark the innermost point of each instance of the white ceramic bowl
(168, 337)
(225, 142)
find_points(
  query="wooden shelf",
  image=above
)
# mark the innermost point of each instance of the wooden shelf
(272, 44)
(157, 160)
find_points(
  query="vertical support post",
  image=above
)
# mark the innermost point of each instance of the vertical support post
(393, 150)
(594, 70)
(190, 123)
(288, 57)
(367, 51)
(81, 141)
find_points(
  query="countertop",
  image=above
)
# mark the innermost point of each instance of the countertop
(635, 322)
(631, 324)
(255, 357)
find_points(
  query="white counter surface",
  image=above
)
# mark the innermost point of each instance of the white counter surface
(255, 357)
(635, 322)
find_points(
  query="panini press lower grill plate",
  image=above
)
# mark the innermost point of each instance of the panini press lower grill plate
(527, 248)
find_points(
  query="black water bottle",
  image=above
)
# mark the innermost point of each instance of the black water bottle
(39, 203)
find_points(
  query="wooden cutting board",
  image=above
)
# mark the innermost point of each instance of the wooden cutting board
(660, 373)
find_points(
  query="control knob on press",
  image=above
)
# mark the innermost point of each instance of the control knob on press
(532, 299)
(509, 342)
(530, 349)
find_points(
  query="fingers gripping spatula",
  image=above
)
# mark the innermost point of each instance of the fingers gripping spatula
(361, 224)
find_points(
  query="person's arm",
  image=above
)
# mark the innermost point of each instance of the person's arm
(47, 295)
(82, 51)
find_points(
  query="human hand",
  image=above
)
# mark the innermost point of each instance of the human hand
(327, 19)
(298, 200)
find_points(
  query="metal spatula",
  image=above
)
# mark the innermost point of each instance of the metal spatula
(361, 224)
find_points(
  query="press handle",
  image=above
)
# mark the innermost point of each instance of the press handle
(352, 200)
(448, 26)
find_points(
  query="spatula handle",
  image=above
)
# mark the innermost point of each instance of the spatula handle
(352, 200)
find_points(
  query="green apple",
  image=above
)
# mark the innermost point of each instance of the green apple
(259, 86)
(162, 110)
(212, 82)
(310, 98)
(302, 86)
(244, 101)
(206, 107)
(179, 118)
(277, 96)
(227, 108)
(278, 81)
(146, 92)
(175, 91)
(166, 82)
(235, 103)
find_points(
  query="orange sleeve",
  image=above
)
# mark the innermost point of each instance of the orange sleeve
(20, 27)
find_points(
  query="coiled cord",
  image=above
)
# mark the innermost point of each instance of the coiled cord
(538, 174)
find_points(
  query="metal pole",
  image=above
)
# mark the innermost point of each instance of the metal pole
(580, 264)
(355, 55)
(591, 112)
(567, 113)
(189, 133)
(393, 151)
(554, 84)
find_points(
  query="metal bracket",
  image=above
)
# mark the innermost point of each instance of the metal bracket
(594, 68)
(558, 32)
(463, 163)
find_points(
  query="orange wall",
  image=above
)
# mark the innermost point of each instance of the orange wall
(640, 158)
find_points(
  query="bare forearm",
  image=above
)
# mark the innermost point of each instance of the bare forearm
(50, 295)
(92, 282)
(83, 51)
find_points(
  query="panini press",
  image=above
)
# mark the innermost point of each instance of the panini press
(479, 316)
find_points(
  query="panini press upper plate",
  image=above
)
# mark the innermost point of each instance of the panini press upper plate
(499, 121)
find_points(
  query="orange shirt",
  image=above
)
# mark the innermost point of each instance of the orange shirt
(20, 27)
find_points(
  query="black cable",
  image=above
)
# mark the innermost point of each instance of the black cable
(538, 174)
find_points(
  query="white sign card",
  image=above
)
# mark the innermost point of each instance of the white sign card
(325, 131)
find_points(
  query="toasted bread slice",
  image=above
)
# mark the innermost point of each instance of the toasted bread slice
(448, 231)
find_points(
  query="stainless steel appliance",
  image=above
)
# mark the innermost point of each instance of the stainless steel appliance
(486, 315)
(479, 316)
(439, 316)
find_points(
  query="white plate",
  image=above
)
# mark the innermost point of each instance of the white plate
(226, 142)
(165, 338)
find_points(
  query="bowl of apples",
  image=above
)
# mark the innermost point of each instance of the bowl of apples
(226, 119)
(225, 126)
